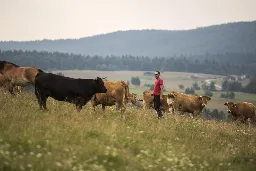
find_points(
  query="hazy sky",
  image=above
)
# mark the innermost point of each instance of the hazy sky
(54, 19)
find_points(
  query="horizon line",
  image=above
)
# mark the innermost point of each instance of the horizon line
(151, 29)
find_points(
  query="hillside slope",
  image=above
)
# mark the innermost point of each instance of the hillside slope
(231, 37)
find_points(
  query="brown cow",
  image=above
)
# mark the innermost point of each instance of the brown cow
(244, 111)
(187, 103)
(6, 85)
(148, 101)
(117, 94)
(16, 75)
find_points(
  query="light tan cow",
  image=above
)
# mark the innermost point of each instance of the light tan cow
(148, 101)
(117, 94)
(19, 76)
(187, 103)
(243, 111)
(5, 85)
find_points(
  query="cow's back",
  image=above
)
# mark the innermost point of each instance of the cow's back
(245, 109)
(115, 93)
(60, 87)
(187, 103)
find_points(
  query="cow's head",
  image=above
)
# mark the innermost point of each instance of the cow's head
(230, 106)
(170, 98)
(100, 88)
(204, 100)
(132, 98)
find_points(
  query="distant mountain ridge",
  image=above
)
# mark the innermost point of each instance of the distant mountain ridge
(230, 37)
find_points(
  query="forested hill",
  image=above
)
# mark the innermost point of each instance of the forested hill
(231, 37)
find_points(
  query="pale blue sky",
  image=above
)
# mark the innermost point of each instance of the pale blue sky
(54, 19)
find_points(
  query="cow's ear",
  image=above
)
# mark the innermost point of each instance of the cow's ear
(234, 105)
(226, 103)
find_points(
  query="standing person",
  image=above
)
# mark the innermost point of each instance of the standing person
(158, 94)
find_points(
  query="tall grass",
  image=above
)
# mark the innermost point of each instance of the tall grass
(62, 139)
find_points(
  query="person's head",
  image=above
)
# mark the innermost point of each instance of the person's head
(157, 74)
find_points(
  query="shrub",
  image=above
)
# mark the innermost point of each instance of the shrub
(135, 81)
(181, 87)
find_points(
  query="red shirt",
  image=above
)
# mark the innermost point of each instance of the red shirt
(157, 89)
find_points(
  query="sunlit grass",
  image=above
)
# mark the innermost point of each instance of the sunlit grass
(62, 139)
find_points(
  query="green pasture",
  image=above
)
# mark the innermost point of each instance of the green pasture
(62, 139)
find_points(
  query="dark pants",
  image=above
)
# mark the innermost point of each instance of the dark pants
(157, 105)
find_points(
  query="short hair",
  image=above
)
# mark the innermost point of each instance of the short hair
(158, 72)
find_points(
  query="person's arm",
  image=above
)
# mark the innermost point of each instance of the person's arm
(162, 89)
(161, 92)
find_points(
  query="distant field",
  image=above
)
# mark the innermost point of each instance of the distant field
(172, 80)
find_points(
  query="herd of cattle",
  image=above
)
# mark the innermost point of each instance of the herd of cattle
(107, 93)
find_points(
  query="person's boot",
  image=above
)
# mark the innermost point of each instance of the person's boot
(160, 115)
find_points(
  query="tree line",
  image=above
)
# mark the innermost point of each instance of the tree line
(229, 37)
(222, 64)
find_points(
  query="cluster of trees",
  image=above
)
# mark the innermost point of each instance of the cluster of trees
(231, 85)
(210, 87)
(237, 86)
(189, 91)
(226, 63)
(135, 81)
(228, 95)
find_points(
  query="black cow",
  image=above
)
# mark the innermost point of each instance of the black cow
(76, 91)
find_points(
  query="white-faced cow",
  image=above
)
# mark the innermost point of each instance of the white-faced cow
(76, 91)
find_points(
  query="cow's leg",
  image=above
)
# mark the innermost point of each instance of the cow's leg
(94, 104)
(78, 107)
(103, 107)
(248, 122)
(10, 89)
(123, 108)
(120, 106)
(39, 99)
(93, 107)
(44, 98)
(79, 104)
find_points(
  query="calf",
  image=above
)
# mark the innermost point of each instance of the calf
(148, 101)
(117, 94)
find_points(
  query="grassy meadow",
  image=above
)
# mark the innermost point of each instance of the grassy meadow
(62, 139)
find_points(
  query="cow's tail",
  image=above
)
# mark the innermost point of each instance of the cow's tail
(126, 91)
